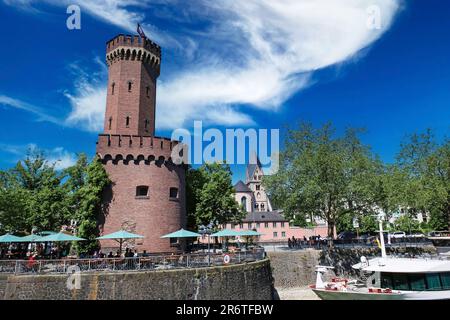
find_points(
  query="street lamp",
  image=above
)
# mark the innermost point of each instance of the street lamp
(207, 230)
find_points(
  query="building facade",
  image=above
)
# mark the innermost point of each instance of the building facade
(261, 216)
(147, 195)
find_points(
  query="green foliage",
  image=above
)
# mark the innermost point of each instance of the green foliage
(86, 184)
(210, 196)
(325, 175)
(424, 166)
(34, 195)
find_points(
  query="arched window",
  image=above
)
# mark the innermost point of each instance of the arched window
(258, 195)
(257, 207)
(244, 203)
(262, 207)
(127, 122)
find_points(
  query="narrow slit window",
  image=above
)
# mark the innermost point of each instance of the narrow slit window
(112, 88)
(129, 86)
(148, 91)
(127, 122)
(173, 193)
(110, 123)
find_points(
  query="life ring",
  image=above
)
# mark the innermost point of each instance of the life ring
(226, 259)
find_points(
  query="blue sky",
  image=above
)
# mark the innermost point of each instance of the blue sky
(252, 64)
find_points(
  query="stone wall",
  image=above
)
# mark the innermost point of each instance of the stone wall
(294, 268)
(252, 281)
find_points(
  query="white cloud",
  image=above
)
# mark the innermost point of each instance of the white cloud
(59, 157)
(253, 53)
(21, 105)
(89, 99)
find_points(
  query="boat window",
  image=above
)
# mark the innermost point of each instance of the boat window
(417, 282)
(445, 278)
(433, 281)
(400, 281)
(386, 281)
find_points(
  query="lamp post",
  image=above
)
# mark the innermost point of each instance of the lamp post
(207, 230)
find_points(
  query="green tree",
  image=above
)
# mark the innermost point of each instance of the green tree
(424, 167)
(85, 184)
(325, 175)
(211, 196)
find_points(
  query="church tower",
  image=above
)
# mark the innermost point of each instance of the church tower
(147, 195)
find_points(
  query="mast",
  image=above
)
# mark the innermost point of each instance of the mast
(383, 247)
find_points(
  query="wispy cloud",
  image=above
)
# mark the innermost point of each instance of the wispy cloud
(253, 53)
(21, 105)
(59, 157)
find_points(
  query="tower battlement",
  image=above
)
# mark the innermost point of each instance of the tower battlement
(117, 147)
(134, 48)
(134, 41)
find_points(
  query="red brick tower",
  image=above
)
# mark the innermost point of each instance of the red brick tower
(147, 195)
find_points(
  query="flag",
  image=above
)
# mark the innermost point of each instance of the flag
(378, 243)
(140, 31)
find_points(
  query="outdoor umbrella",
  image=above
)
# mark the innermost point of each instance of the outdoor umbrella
(31, 238)
(249, 233)
(60, 237)
(9, 238)
(120, 236)
(225, 233)
(182, 234)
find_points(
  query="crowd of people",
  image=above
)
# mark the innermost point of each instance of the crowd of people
(312, 241)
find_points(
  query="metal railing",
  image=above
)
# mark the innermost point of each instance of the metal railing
(128, 264)
(362, 243)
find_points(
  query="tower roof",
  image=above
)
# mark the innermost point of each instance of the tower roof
(251, 167)
(241, 187)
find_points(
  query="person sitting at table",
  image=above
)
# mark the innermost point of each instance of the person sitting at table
(110, 255)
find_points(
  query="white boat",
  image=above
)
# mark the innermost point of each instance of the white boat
(389, 278)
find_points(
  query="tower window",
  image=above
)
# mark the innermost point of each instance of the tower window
(127, 122)
(148, 91)
(146, 123)
(129, 86)
(258, 187)
(112, 88)
(173, 193)
(110, 122)
(142, 191)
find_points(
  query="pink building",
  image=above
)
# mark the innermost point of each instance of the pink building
(275, 228)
